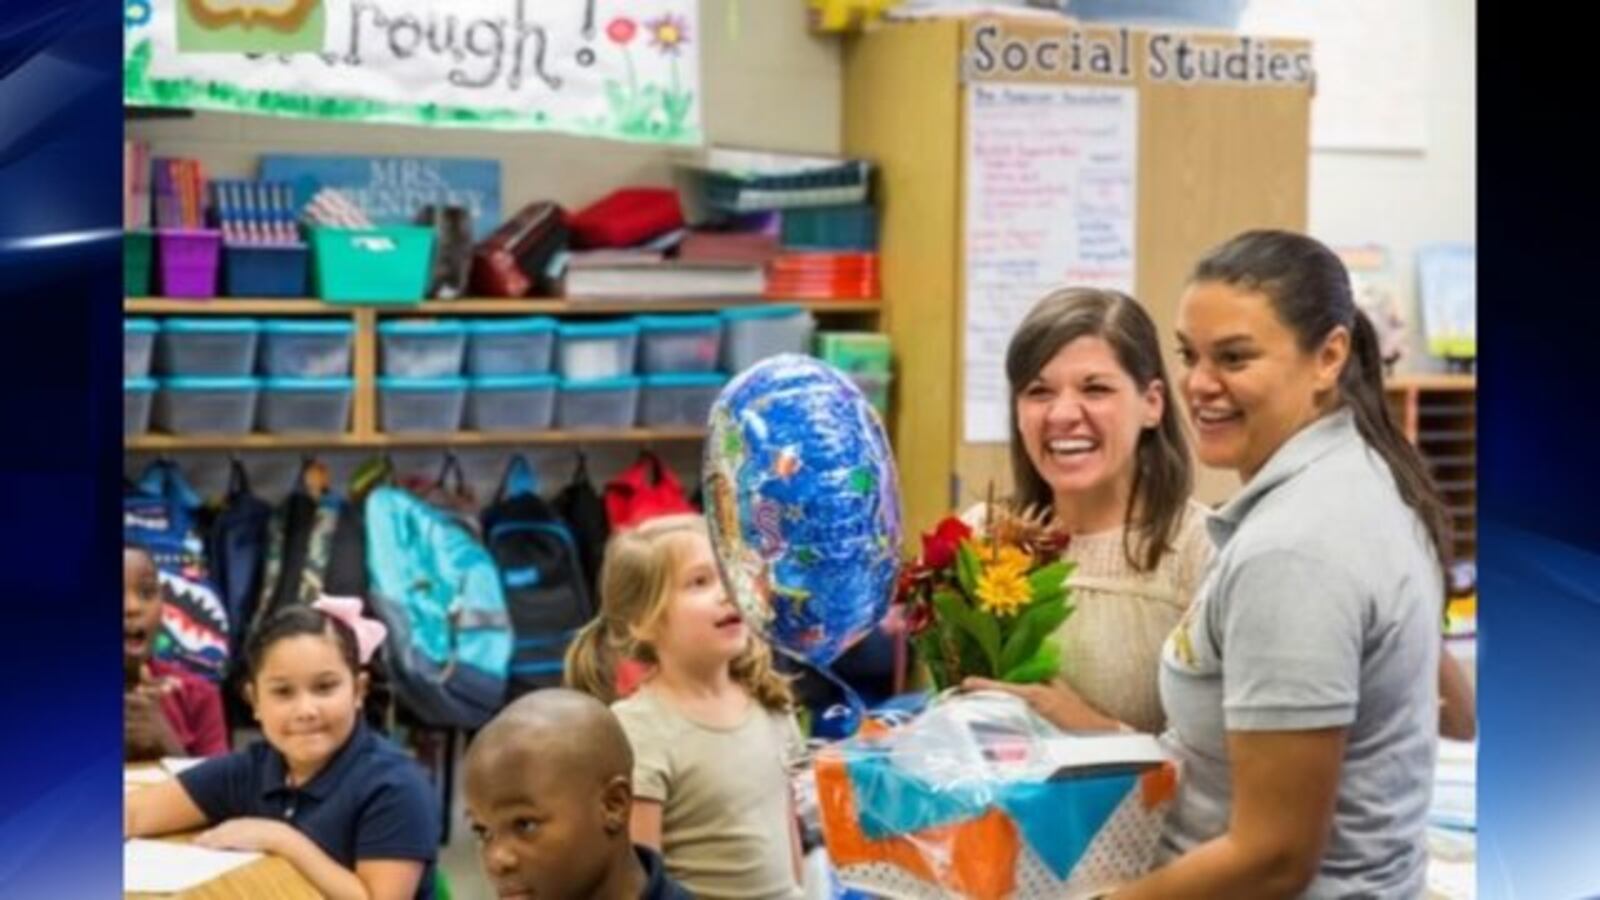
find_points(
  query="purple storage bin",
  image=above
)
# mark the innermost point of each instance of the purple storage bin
(188, 261)
(266, 270)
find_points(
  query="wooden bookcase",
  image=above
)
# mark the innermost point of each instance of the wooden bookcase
(1439, 415)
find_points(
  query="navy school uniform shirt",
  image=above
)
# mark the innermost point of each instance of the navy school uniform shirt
(371, 801)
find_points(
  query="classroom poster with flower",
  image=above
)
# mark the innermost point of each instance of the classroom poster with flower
(621, 69)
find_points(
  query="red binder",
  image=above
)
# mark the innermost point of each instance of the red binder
(627, 217)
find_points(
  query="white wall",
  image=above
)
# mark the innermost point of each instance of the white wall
(1403, 200)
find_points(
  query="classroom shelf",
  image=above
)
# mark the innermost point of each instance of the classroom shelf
(169, 442)
(1439, 415)
(473, 306)
(364, 431)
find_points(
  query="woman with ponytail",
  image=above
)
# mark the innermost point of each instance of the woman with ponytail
(1300, 686)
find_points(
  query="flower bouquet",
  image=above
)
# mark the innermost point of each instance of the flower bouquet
(987, 604)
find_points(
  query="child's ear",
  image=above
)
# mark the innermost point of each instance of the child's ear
(249, 692)
(616, 800)
(362, 682)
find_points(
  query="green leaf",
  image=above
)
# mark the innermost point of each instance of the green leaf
(1042, 666)
(1033, 626)
(981, 628)
(930, 654)
(967, 568)
(1051, 577)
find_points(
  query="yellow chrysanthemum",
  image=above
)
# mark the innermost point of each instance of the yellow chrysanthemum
(1007, 558)
(1003, 590)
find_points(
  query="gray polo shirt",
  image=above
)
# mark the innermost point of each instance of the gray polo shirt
(1321, 610)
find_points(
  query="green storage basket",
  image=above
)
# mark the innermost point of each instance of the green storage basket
(855, 351)
(389, 264)
(137, 247)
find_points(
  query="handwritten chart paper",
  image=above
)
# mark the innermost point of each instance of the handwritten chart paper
(1051, 194)
(166, 867)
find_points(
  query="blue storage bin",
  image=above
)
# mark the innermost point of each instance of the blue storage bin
(510, 346)
(137, 394)
(138, 346)
(601, 404)
(594, 350)
(511, 402)
(306, 348)
(753, 333)
(679, 343)
(266, 270)
(207, 347)
(428, 405)
(418, 348)
(305, 405)
(679, 401)
(206, 405)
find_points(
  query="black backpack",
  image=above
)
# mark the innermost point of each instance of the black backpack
(540, 571)
(236, 544)
(580, 506)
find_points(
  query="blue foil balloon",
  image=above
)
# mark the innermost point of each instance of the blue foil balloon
(803, 505)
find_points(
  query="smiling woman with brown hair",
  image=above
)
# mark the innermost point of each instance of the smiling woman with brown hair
(1097, 441)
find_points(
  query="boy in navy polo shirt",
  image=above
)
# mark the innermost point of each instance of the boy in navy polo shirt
(549, 791)
(347, 808)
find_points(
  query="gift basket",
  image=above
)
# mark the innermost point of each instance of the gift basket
(980, 798)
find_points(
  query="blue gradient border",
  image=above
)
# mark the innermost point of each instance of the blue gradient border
(1539, 465)
(61, 281)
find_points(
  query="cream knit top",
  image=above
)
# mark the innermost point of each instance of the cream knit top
(1111, 644)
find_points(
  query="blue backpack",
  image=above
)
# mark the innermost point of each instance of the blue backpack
(437, 588)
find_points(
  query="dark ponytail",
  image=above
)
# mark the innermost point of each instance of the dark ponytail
(1310, 291)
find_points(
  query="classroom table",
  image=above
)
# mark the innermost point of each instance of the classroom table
(268, 878)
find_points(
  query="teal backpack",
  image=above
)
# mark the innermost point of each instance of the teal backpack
(437, 588)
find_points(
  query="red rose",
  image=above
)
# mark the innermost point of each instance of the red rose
(939, 547)
(621, 30)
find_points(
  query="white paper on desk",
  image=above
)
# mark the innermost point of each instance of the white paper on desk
(1453, 880)
(1455, 786)
(145, 775)
(177, 764)
(166, 867)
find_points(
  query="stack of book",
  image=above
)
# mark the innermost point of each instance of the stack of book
(820, 240)
(645, 275)
(180, 193)
(135, 185)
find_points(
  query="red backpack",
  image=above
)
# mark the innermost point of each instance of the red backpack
(644, 490)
